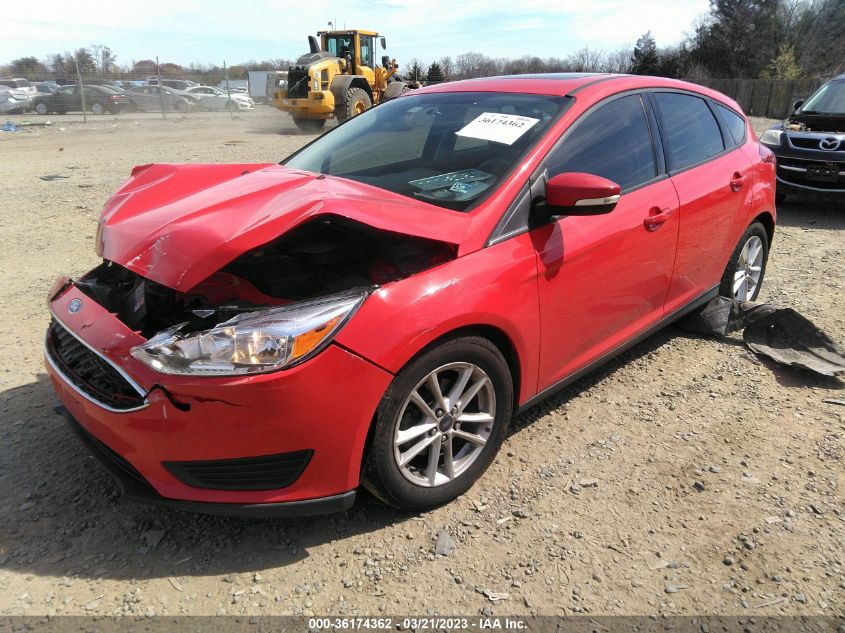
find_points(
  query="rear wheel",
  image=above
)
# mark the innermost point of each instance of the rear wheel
(310, 126)
(440, 424)
(41, 108)
(98, 108)
(745, 271)
(357, 101)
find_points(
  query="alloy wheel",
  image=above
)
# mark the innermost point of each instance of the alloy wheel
(444, 424)
(749, 269)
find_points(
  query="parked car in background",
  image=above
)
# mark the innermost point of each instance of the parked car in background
(214, 99)
(13, 101)
(176, 84)
(149, 98)
(810, 144)
(263, 338)
(47, 87)
(23, 85)
(98, 100)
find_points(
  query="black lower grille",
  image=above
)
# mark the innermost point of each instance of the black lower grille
(89, 372)
(267, 472)
(298, 84)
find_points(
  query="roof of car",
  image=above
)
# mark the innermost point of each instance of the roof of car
(596, 85)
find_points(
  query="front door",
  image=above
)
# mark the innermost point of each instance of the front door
(604, 278)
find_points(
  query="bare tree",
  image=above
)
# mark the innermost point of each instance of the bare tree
(447, 66)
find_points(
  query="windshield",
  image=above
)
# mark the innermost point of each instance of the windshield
(829, 99)
(449, 149)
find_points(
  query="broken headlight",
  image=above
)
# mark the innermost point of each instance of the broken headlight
(253, 342)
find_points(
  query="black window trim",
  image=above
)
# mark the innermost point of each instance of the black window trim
(540, 175)
(674, 172)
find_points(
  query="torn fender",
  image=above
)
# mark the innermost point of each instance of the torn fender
(179, 224)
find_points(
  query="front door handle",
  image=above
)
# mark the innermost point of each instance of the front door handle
(656, 218)
(737, 181)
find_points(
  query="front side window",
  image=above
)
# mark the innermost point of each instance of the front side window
(367, 50)
(340, 45)
(448, 149)
(691, 130)
(613, 142)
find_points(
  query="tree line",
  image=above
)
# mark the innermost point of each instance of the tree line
(770, 39)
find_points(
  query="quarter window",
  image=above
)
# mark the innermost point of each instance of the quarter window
(613, 142)
(690, 128)
(734, 123)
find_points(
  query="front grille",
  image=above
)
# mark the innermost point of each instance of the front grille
(89, 372)
(805, 142)
(267, 472)
(297, 84)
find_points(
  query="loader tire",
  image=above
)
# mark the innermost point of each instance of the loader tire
(357, 101)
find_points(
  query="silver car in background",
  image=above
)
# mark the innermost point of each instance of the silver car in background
(214, 99)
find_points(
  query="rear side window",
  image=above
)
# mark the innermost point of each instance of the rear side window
(734, 123)
(690, 129)
(614, 142)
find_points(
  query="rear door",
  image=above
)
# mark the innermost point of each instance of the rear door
(713, 181)
(603, 279)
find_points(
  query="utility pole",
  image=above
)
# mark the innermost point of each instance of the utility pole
(161, 90)
(81, 91)
(228, 91)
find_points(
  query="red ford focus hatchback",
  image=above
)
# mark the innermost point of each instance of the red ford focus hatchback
(262, 339)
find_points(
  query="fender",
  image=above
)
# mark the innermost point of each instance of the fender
(394, 89)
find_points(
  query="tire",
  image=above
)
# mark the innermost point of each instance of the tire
(779, 197)
(754, 238)
(310, 126)
(357, 101)
(412, 486)
(231, 106)
(98, 108)
(41, 108)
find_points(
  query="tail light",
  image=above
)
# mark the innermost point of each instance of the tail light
(114, 97)
(766, 155)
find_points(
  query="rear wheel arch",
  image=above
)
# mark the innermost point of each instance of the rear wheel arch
(768, 222)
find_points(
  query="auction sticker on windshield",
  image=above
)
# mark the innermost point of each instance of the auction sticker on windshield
(497, 127)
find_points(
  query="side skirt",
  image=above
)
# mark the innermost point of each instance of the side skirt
(693, 305)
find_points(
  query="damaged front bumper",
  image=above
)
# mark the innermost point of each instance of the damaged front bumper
(277, 444)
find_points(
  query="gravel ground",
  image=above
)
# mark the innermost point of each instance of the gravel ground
(687, 477)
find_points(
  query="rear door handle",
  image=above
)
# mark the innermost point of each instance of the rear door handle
(656, 218)
(737, 181)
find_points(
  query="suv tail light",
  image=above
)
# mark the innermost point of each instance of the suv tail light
(766, 155)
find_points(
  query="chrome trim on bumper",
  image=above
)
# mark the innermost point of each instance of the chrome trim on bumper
(79, 391)
(794, 185)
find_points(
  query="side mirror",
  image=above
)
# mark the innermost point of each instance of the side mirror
(575, 193)
(383, 41)
(385, 61)
(797, 104)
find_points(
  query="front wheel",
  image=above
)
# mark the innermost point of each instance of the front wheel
(440, 425)
(231, 106)
(744, 274)
(357, 101)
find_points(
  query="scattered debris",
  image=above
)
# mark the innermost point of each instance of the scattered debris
(444, 545)
(51, 177)
(772, 331)
(834, 401)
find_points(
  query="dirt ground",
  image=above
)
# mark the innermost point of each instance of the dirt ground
(590, 507)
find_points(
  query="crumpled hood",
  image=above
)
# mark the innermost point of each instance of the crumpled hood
(179, 224)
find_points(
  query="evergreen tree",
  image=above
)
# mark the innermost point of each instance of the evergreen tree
(434, 74)
(645, 60)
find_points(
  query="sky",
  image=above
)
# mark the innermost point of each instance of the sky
(210, 31)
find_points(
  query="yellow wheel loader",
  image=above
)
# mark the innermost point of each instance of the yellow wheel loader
(338, 78)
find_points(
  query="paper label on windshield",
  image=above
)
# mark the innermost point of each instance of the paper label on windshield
(501, 128)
